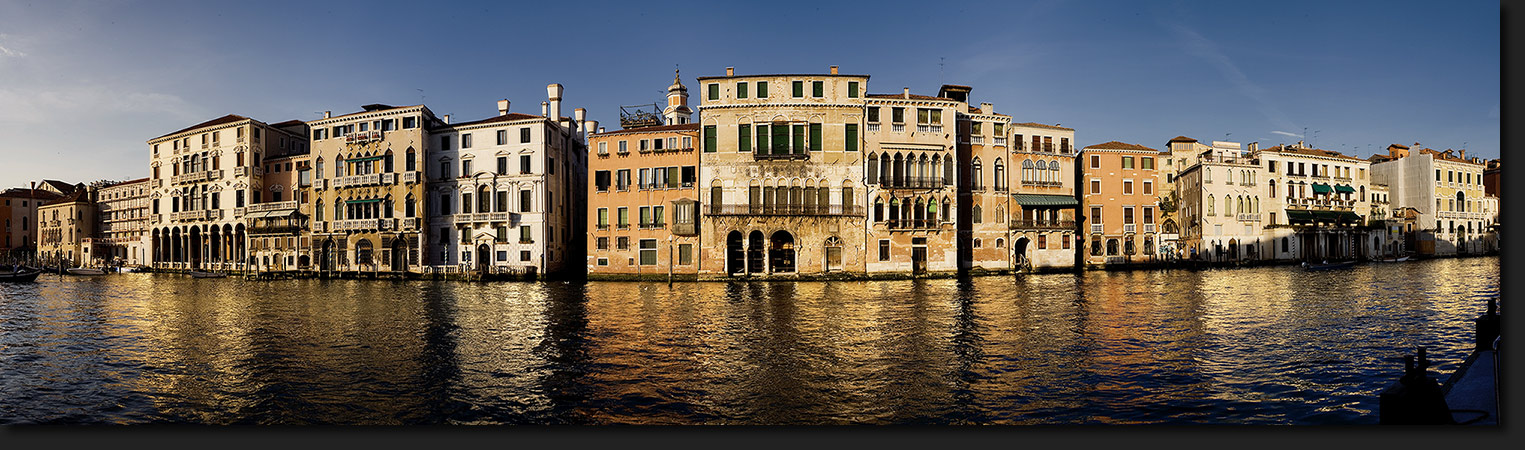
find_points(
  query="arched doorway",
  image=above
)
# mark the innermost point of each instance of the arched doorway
(1019, 248)
(327, 255)
(363, 253)
(483, 254)
(399, 255)
(735, 253)
(833, 254)
(196, 250)
(1233, 249)
(755, 252)
(781, 252)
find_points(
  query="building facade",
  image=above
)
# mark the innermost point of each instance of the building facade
(1119, 202)
(18, 207)
(509, 191)
(279, 227)
(1445, 188)
(123, 228)
(1044, 204)
(1318, 204)
(782, 164)
(985, 169)
(911, 183)
(64, 230)
(202, 178)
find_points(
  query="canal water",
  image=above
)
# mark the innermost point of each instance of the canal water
(1267, 345)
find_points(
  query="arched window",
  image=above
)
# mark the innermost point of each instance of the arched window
(894, 209)
(921, 167)
(932, 209)
(1027, 171)
(1000, 175)
(1257, 206)
(947, 210)
(318, 211)
(978, 180)
(1210, 203)
(873, 168)
(1207, 175)
(884, 169)
(411, 165)
(899, 169)
(1461, 201)
(937, 170)
(878, 209)
(1053, 171)
(410, 207)
(386, 162)
(948, 169)
(977, 213)
(1228, 206)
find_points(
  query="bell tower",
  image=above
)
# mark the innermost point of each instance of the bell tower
(677, 111)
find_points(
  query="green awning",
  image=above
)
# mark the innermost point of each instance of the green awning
(1063, 201)
(374, 200)
(1299, 216)
(370, 158)
(1345, 189)
(1349, 217)
(1321, 188)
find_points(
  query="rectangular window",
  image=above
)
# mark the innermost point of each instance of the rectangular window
(503, 165)
(1147, 163)
(603, 218)
(524, 200)
(623, 217)
(1096, 215)
(762, 89)
(817, 89)
(884, 249)
(815, 137)
(466, 140)
(410, 122)
(524, 234)
(1127, 162)
(873, 115)
(1127, 187)
(709, 138)
(762, 138)
(852, 89)
(852, 137)
(799, 138)
(799, 89)
(1095, 161)
(524, 255)
(601, 180)
(1095, 187)
(645, 216)
(466, 168)
(1066, 241)
(648, 252)
(714, 91)
(741, 89)
(1042, 241)
(685, 254)
(444, 142)
(897, 115)
(502, 137)
(1148, 187)
(658, 216)
(524, 163)
(603, 243)
(524, 135)
(744, 138)
(1148, 214)
(1128, 214)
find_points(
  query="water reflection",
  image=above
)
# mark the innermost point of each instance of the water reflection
(1262, 345)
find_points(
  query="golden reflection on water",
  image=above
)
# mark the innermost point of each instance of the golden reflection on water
(1255, 345)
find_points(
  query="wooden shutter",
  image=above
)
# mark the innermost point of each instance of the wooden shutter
(815, 137)
(744, 138)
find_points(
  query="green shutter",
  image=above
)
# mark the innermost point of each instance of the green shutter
(852, 137)
(799, 89)
(799, 138)
(818, 89)
(852, 89)
(780, 139)
(709, 138)
(815, 137)
(762, 139)
(744, 138)
(762, 89)
(672, 177)
(714, 91)
(741, 89)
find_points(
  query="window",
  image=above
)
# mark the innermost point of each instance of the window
(744, 138)
(444, 142)
(623, 217)
(466, 168)
(524, 163)
(645, 216)
(503, 165)
(799, 89)
(817, 89)
(741, 89)
(685, 254)
(409, 122)
(1127, 162)
(1096, 215)
(873, 114)
(1149, 188)
(852, 137)
(714, 89)
(502, 137)
(1065, 241)
(1095, 187)
(524, 135)
(852, 89)
(600, 179)
(648, 252)
(709, 138)
(1127, 187)
(815, 137)
(762, 89)
(1146, 163)
(524, 200)
(524, 255)
(466, 140)
(897, 115)
(884, 249)
(1095, 161)
(525, 234)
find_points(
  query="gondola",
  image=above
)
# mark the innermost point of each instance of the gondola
(1329, 265)
(19, 274)
(88, 271)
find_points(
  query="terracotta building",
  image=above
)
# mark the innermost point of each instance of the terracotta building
(64, 229)
(912, 183)
(18, 207)
(1119, 203)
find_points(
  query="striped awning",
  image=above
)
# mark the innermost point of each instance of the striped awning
(1045, 200)
(1321, 188)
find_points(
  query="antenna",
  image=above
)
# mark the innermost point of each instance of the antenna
(420, 95)
(940, 61)
(1315, 139)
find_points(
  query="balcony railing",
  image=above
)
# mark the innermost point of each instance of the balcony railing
(1043, 184)
(1130, 228)
(410, 176)
(1000, 141)
(898, 128)
(763, 156)
(911, 182)
(873, 128)
(1148, 228)
(913, 224)
(1042, 225)
(785, 210)
(270, 206)
(357, 180)
(320, 184)
(1249, 217)
(363, 224)
(275, 229)
(388, 178)
(362, 136)
(1096, 228)
(977, 140)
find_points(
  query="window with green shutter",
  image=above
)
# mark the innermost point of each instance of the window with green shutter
(714, 91)
(741, 89)
(709, 138)
(780, 139)
(852, 137)
(799, 89)
(762, 89)
(762, 138)
(815, 137)
(744, 138)
(818, 89)
(852, 89)
(799, 138)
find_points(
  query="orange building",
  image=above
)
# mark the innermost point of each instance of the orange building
(643, 198)
(1120, 203)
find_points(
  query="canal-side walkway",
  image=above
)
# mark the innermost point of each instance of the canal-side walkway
(1472, 392)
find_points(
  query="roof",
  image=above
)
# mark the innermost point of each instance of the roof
(510, 117)
(1114, 145)
(1443, 156)
(782, 75)
(1311, 152)
(29, 193)
(77, 196)
(140, 180)
(654, 128)
(367, 109)
(230, 118)
(59, 185)
(902, 96)
(288, 123)
(1182, 139)
(1039, 125)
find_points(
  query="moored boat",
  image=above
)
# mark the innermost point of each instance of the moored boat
(1328, 265)
(19, 274)
(85, 271)
(200, 274)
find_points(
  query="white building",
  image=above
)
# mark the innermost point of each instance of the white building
(1317, 203)
(1221, 211)
(1447, 191)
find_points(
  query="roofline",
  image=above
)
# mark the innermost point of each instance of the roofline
(717, 77)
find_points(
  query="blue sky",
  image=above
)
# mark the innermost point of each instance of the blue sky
(83, 85)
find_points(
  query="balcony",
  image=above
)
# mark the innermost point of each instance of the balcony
(911, 182)
(1096, 228)
(270, 206)
(1249, 217)
(361, 137)
(685, 229)
(1020, 224)
(159, 182)
(913, 224)
(275, 229)
(1148, 228)
(1000, 142)
(977, 140)
(410, 177)
(898, 128)
(1130, 228)
(784, 210)
(388, 178)
(760, 156)
(603, 226)
(363, 224)
(238, 212)
(1043, 184)
(357, 180)
(495, 217)
(189, 177)
(320, 184)
(873, 128)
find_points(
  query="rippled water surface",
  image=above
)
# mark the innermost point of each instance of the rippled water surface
(1273, 345)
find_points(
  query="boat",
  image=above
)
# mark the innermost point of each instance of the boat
(85, 271)
(19, 274)
(1328, 265)
(1398, 259)
(200, 274)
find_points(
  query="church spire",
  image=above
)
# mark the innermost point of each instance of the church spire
(677, 111)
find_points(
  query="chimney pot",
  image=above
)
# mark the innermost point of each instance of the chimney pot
(545, 108)
(503, 107)
(905, 92)
(600, 129)
(730, 71)
(327, 114)
(987, 108)
(553, 91)
(833, 70)
(446, 119)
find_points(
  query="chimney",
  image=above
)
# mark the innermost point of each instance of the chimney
(833, 70)
(446, 119)
(905, 92)
(987, 108)
(1299, 143)
(580, 115)
(553, 91)
(503, 107)
(590, 126)
(544, 108)
(1463, 153)
(730, 71)
(600, 129)
(328, 114)
(1254, 146)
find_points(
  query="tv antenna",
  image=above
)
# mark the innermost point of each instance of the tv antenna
(940, 62)
(420, 95)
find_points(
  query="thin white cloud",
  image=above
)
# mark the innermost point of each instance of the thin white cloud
(53, 103)
(1200, 46)
(1283, 133)
(8, 51)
